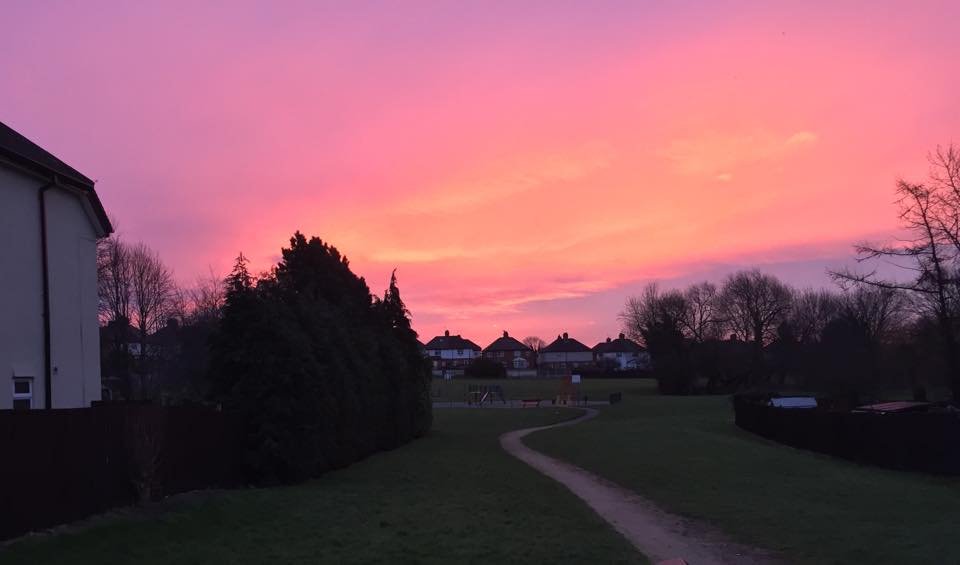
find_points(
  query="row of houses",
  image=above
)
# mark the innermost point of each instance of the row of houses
(451, 354)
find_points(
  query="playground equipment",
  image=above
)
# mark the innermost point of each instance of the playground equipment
(569, 392)
(480, 394)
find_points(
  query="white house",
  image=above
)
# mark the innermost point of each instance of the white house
(621, 354)
(564, 356)
(450, 354)
(50, 220)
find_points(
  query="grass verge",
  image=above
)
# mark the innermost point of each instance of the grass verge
(687, 455)
(595, 389)
(452, 497)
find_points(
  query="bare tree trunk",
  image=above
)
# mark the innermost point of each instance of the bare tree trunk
(152, 292)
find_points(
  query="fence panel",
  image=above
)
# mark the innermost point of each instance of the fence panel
(909, 441)
(63, 465)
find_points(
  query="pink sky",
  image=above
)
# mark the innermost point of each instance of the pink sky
(522, 168)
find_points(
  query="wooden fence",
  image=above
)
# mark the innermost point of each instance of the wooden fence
(924, 441)
(62, 465)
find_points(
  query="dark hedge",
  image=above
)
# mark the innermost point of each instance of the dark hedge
(320, 372)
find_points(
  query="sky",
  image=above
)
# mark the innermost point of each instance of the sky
(523, 166)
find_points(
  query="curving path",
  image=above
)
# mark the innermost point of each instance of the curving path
(655, 533)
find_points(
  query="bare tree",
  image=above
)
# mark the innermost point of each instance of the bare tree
(179, 305)
(114, 279)
(879, 311)
(152, 288)
(534, 342)
(812, 311)
(206, 297)
(930, 213)
(653, 309)
(754, 304)
(703, 318)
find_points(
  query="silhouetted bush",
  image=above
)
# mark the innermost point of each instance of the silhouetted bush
(608, 372)
(481, 368)
(320, 372)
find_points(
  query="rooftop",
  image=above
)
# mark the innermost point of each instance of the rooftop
(619, 345)
(447, 341)
(27, 155)
(507, 343)
(565, 344)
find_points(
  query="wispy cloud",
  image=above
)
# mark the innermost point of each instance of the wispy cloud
(503, 180)
(718, 154)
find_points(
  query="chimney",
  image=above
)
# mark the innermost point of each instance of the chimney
(608, 340)
(446, 333)
(565, 336)
(622, 336)
(505, 334)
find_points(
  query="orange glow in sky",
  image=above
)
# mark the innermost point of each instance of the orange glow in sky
(522, 168)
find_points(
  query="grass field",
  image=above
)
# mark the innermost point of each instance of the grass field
(595, 389)
(453, 497)
(687, 455)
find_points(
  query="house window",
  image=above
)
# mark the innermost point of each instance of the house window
(619, 354)
(459, 352)
(22, 394)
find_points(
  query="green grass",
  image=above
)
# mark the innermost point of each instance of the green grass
(595, 389)
(452, 497)
(686, 455)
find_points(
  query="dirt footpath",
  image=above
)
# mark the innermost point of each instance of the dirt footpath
(655, 533)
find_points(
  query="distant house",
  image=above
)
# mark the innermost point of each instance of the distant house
(125, 337)
(621, 354)
(50, 221)
(564, 356)
(518, 359)
(122, 358)
(450, 354)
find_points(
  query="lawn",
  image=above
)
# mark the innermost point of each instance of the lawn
(453, 497)
(594, 389)
(687, 455)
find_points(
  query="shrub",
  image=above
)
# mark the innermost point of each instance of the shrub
(481, 368)
(320, 372)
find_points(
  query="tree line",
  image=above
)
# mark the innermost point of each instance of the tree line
(317, 370)
(154, 331)
(873, 332)
(755, 330)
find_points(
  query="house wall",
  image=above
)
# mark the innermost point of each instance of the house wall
(75, 350)
(561, 363)
(71, 245)
(570, 358)
(21, 302)
(622, 358)
(506, 357)
(627, 359)
(450, 362)
(453, 353)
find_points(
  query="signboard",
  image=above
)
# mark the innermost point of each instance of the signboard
(575, 379)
